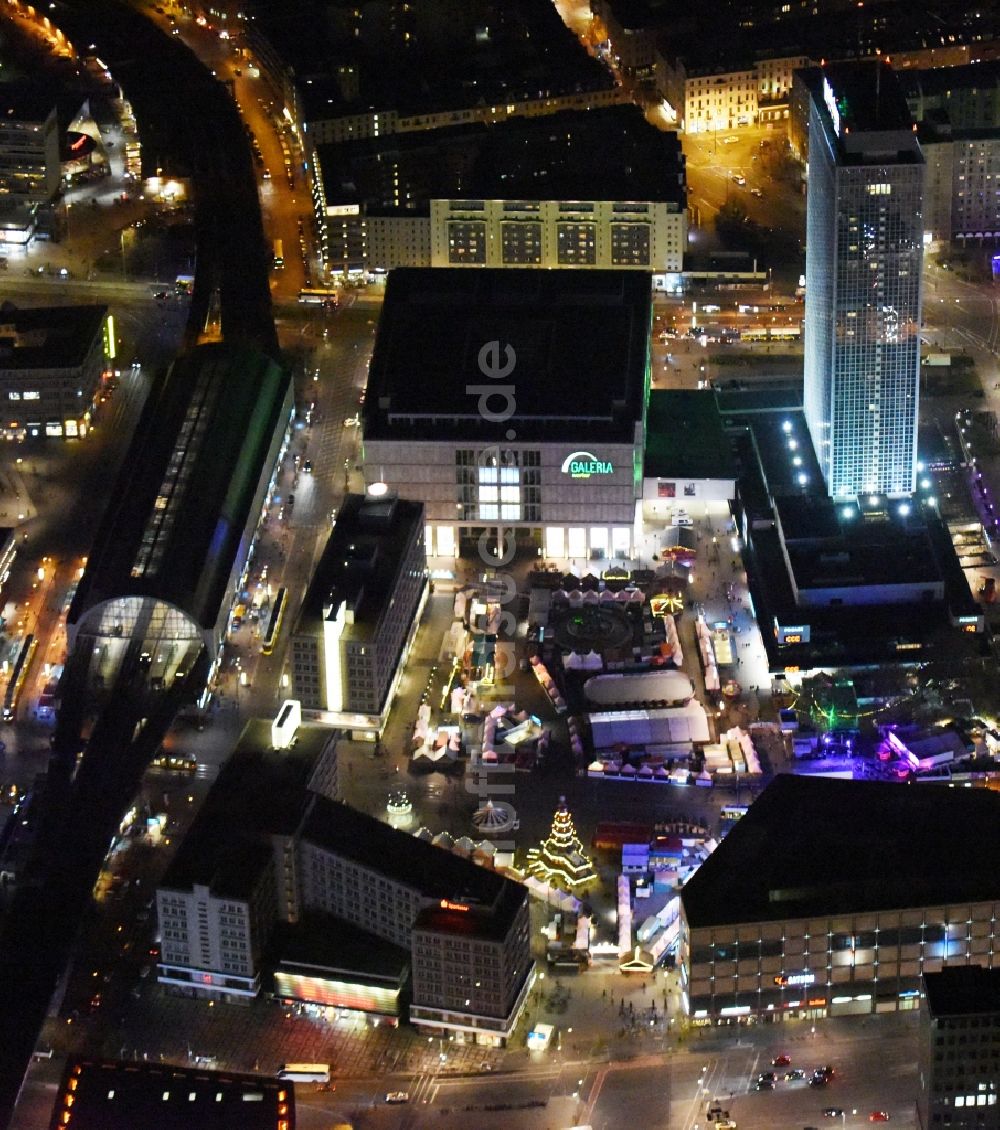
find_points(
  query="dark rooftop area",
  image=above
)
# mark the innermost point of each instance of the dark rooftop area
(431, 55)
(474, 923)
(580, 340)
(684, 436)
(26, 101)
(47, 337)
(813, 847)
(541, 158)
(258, 793)
(108, 1095)
(435, 872)
(361, 560)
(319, 945)
(962, 990)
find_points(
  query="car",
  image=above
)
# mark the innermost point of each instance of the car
(756, 192)
(833, 1112)
(730, 140)
(878, 1116)
(818, 1081)
(781, 1060)
(739, 178)
(308, 467)
(398, 1097)
(764, 1085)
(827, 1070)
(795, 1073)
(766, 1077)
(266, 174)
(161, 296)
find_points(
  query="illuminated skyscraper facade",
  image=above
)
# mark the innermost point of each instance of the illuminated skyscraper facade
(864, 237)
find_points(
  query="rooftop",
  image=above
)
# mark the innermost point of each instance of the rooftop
(433, 871)
(319, 945)
(962, 990)
(361, 562)
(541, 158)
(815, 847)
(258, 793)
(183, 495)
(22, 101)
(431, 56)
(490, 925)
(579, 339)
(47, 337)
(685, 438)
(108, 1095)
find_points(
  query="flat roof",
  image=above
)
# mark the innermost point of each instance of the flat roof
(812, 847)
(489, 925)
(182, 497)
(550, 157)
(472, 55)
(47, 337)
(112, 1095)
(320, 945)
(258, 793)
(962, 990)
(685, 437)
(433, 871)
(25, 101)
(361, 562)
(580, 342)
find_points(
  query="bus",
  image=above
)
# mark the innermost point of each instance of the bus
(279, 255)
(17, 676)
(319, 296)
(304, 1072)
(274, 622)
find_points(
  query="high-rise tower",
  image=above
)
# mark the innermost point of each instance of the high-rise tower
(864, 243)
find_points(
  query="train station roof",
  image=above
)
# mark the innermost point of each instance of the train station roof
(188, 483)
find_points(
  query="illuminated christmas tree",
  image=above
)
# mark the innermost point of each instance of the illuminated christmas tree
(560, 860)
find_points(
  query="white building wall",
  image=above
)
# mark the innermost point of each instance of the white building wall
(591, 221)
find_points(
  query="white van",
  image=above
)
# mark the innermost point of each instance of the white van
(304, 1072)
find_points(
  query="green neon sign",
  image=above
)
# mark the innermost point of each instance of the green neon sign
(583, 464)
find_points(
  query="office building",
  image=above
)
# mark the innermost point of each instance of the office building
(521, 193)
(51, 361)
(864, 232)
(361, 610)
(960, 1048)
(552, 452)
(802, 912)
(29, 145)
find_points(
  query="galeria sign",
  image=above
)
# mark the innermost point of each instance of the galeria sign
(583, 464)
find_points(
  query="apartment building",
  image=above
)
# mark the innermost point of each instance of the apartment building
(524, 193)
(960, 1048)
(360, 611)
(467, 927)
(51, 361)
(29, 145)
(267, 849)
(795, 916)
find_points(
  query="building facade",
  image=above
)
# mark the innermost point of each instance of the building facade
(643, 235)
(361, 610)
(212, 942)
(468, 977)
(29, 146)
(864, 240)
(962, 203)
(960, 1048)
